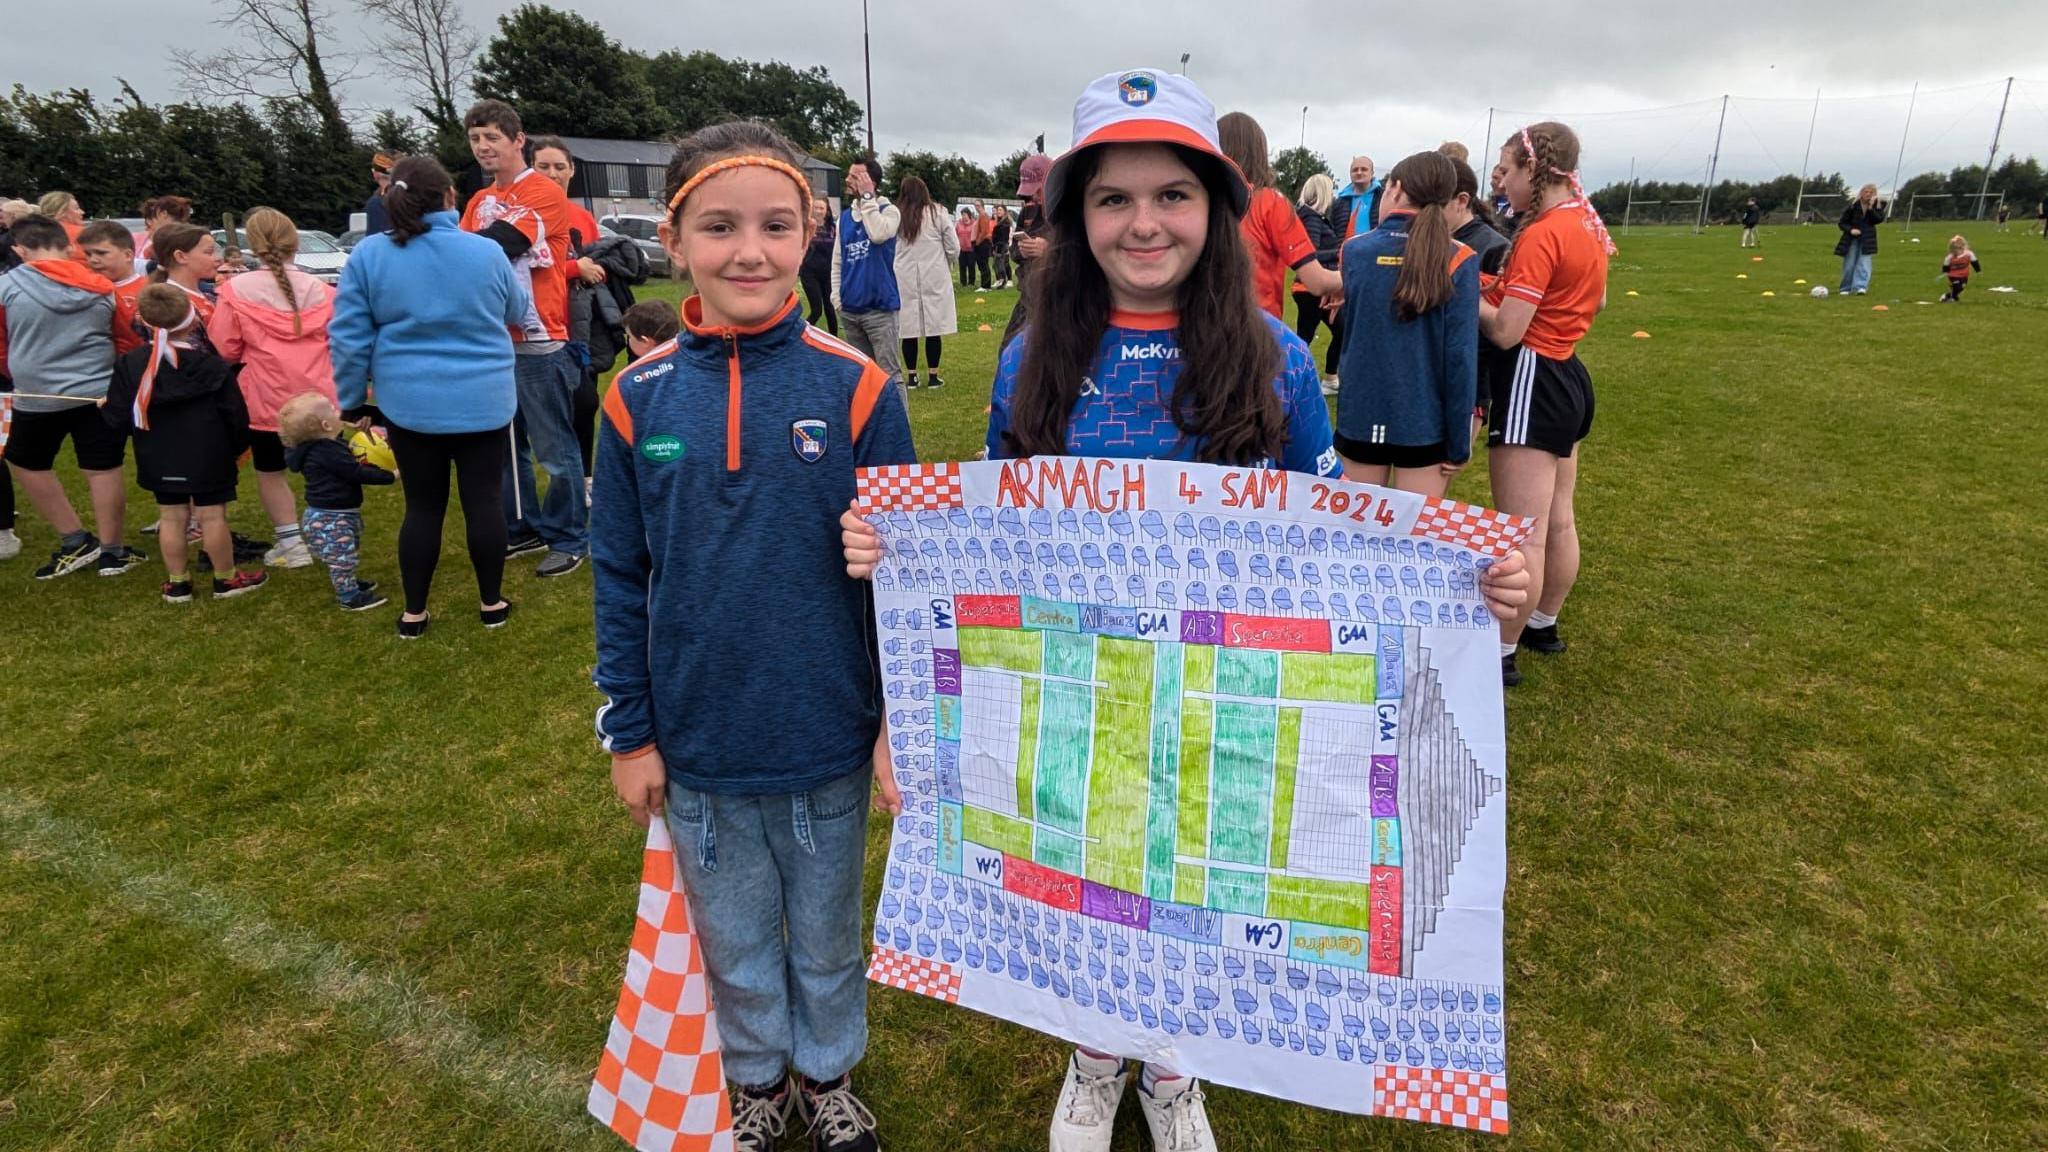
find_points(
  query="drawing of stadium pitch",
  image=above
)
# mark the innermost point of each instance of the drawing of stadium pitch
(1204, 768)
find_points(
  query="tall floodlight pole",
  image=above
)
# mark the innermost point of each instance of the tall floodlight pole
(1629, 209)
(1486, 150)
(1713, 166)
(1985, 187)
(1806, 162)
(1907, 131)
(1184, 62)
(1304, 127)
(867, 64)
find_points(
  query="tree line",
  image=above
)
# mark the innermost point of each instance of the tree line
(266, 123)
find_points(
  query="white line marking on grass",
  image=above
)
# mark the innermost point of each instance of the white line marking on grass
(423, 1028)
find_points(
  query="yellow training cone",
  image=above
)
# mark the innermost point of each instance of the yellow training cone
(1799, 281)
(981, 299)
(1640, 335)
(1768, 292)
(1742, 275)
(1631, 291)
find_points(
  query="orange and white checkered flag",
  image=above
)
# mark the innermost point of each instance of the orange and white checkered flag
(661, 1081)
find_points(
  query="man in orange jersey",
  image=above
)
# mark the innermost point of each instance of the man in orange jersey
(527, 214)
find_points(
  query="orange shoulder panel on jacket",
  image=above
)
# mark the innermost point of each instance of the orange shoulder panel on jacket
(615, 411)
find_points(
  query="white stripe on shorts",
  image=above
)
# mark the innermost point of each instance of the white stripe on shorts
(1517, 424)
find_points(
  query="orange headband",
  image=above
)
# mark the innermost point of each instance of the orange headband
(803, 185)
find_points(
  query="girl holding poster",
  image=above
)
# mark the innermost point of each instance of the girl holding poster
(1146, 341)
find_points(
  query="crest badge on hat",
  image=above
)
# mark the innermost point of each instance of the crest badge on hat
(807, 439)
(1137, 88)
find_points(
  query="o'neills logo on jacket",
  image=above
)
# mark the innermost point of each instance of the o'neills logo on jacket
(1149, 352)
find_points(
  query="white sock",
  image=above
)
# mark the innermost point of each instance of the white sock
(1507, 649)
(1541, 619)
(1097, 1063)
(286, 531)
(1160, 1083)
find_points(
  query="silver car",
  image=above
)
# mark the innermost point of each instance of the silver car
(641, 231)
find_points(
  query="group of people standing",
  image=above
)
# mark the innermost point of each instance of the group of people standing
(473, 341)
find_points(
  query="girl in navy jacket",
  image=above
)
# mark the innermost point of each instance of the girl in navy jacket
(734, 651)
(1410, 367)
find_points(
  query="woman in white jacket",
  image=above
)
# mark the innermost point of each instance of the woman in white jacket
(927, 251)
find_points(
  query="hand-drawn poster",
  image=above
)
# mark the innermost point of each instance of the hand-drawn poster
(1201, 766)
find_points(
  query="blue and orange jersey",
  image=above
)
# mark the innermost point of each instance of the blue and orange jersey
(1126, 404)
(728, 632)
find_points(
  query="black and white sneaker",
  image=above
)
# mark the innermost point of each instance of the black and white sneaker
(117, 561)
(558, 564)
(910, 380)
(838, 1121)
(70, 558)
(1544, 640)
(1509, 674)
(496, 617)
(177, 591)
(760, 1116)
(524, 546)
(933, 381)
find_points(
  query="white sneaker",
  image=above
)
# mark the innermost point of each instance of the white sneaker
(292, 553)
(1330, 384)
(1085, 1117)
(10, 544)
(1178, 1120)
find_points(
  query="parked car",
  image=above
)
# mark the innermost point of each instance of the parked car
(641, 231)
(349, 239)
(320, 255)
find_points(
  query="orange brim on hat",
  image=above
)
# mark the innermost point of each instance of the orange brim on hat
(1146, 131)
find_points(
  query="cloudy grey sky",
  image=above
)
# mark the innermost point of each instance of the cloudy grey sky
(983, 80)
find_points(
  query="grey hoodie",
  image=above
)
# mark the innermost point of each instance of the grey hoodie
(59, 333)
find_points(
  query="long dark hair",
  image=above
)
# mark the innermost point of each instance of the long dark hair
(1224, 398)
(419, 185)
(914, 201)
(1245, 143)
(1428, 180)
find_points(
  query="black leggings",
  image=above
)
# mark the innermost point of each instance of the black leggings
(585, 418)
(932, 348)
(479, 459)
(818, 290)
(1308, 313)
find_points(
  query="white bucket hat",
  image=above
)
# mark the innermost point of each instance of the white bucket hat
(1144, 107)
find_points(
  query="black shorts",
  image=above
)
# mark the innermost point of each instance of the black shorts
(37, 436)
(1390, 455)
(266, 450)
(212, 499)
(1540, 403)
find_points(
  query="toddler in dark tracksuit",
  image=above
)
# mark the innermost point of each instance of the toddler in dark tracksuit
(311, 428)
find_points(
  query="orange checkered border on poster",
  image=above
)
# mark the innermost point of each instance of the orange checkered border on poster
(660, 1083)
(908, 488)
(1472, 1100)
(1483, 530)
(915, 974)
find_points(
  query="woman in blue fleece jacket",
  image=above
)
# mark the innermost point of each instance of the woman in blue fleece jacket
(423, 312)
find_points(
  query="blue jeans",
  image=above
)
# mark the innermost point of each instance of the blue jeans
(775, 890)
(545, 432)
(1856, 269)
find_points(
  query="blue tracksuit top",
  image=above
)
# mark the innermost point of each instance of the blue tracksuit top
(1407, 383)
(728, 632)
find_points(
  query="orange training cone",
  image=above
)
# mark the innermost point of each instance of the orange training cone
(661, 1081)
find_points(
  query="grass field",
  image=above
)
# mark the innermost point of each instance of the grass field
(1778, 855)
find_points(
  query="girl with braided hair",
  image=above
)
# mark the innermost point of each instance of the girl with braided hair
(1553, 283)
(273, 322)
